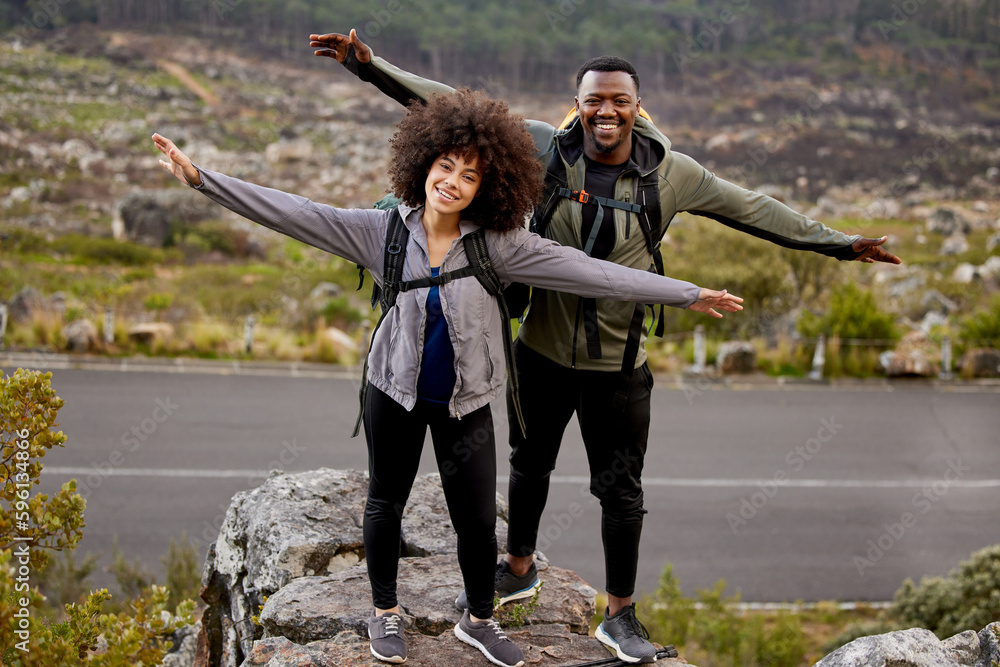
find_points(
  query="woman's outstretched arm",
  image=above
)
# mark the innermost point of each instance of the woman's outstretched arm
(354, 234)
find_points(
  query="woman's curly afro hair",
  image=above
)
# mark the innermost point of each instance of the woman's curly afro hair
(469, 124)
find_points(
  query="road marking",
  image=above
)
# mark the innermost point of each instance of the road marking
(567, 479)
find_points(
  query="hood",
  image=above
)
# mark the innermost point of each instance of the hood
(649, 145)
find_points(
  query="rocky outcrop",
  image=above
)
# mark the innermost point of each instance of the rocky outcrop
(736, 356)
(286, 582)
(917, 647)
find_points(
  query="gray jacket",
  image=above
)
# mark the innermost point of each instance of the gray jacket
(474, 321)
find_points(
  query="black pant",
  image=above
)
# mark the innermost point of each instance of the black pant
(466, 456)
(616, 448)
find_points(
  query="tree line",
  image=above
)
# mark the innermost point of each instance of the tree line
(525, 45)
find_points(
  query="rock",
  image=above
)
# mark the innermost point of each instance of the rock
(963, 647)
(289, 152)
(341, 342)
(148, 332)
(81, 335)
(989, 645)
(964, 273)
(185, 643)
(956, 244)
(992, 242)
(912, 357)
(736, 357)
(935, 300)
(291, 547)
(323, 292)
(946, 222)
(311, 608)
(146, 216)
(915, 647)
(25, 305)
(980, 363)
(990, 269)
(543, 646)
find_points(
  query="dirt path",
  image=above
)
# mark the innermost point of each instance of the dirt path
(185, 77)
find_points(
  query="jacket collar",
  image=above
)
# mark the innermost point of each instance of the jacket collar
(649, 145)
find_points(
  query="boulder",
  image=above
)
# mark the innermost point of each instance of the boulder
(911, 358)
(81, 336)
(980, 363)
(917, 647)
(946, 222)
(964, 273)
(25, 305)
(291, 550)
(736, 357)
(990, 269)
(147, 216)
(148, 332)
(956, 244)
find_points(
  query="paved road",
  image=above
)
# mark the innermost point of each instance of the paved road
(788, 493)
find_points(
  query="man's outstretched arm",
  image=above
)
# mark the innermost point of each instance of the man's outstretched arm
(402, 86)
(357, 57)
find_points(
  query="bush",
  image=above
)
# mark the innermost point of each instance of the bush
(853, 315)
(30, 526)
(982, 329)
(713, 630)
(967, 599)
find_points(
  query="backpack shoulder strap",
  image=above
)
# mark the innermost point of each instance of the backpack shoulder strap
(393, 257)
(479, 257)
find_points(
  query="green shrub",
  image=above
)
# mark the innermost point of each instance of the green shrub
(853, 315)
(31, 526)
(982, 328)
(91, 250)
(967, 599)
(714, 631)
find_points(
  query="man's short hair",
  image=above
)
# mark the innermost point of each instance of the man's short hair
(607, 64)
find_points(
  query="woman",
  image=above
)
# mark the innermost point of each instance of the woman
(459, 162)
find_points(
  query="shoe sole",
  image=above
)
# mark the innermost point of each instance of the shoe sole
(521, 594)
(396, 660)
(516, 595)
(472, 641)
(606, 639)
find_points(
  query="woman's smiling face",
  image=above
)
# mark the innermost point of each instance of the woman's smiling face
(452, 183)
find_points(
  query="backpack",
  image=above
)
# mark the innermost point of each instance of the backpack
(480, 266)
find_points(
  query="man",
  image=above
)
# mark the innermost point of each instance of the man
(612, 187)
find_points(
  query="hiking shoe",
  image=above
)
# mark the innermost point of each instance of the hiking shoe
(626, 636)
(508, 585)
(386, 632)
(491, 640)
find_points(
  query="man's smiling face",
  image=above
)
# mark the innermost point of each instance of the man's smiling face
(608, 103)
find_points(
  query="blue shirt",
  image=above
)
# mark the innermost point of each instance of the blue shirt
(437, 367)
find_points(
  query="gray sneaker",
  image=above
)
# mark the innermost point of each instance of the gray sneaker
(508, 585)
(386, 632)
(626, 636)
(491, 640)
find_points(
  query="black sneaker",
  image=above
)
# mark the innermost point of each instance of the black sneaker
(491, 640)
(508, 586)
(626, 636)
(386, 632)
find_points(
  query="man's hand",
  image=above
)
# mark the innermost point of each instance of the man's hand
(710, 299)
(179, 165)
(871, 252)
(335, 45)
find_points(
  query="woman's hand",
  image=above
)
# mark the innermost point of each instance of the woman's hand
(179, 165)
(710, 299)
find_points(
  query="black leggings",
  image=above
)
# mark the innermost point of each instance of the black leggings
(615, 441)
(466, 456)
